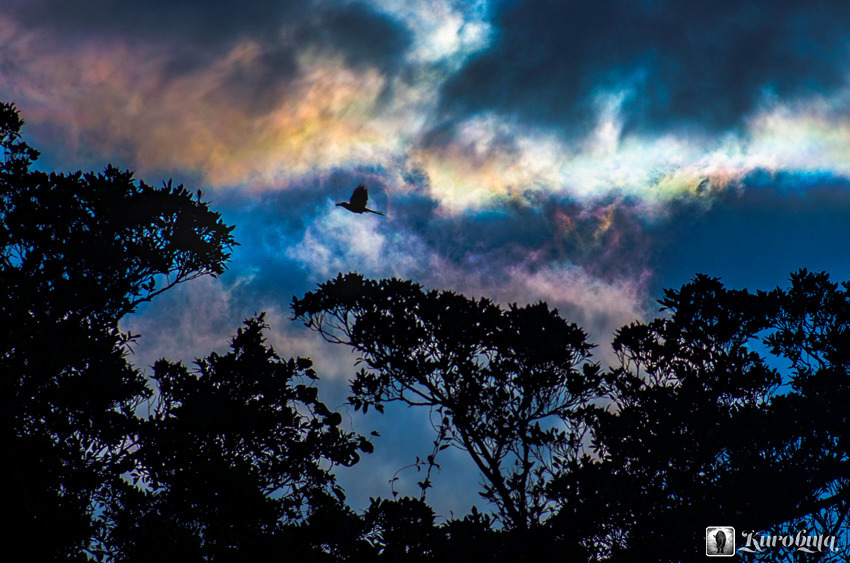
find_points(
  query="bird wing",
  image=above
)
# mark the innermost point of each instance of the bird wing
(359, 197)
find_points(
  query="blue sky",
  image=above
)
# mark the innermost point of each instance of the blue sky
(585, 153)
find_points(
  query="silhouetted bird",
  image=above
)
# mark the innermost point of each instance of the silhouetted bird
(357, 203)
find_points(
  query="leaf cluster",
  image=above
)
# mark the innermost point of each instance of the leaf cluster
(503, 384)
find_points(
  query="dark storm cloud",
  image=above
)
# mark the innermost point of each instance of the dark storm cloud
(698, 63)
(363, 36)
(203, 23)
(197, 32)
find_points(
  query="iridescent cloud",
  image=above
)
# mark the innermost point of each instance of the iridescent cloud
(122, 98)
(295, 106)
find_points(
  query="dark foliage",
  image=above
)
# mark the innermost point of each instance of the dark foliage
(503, 385)
(231, 454)
(704, 428)
(77, 252)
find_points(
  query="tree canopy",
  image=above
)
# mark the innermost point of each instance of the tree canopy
(79, 251)
(714, 418)
(717, 406)
(503, 385)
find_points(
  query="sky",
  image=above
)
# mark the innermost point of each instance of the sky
(588, 154)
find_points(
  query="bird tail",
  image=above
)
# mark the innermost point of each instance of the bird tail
(375, 212)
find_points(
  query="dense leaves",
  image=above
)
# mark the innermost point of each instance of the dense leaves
(504, 385)
(706, 426)
(77, 252)
(730, 407)
(233, 451)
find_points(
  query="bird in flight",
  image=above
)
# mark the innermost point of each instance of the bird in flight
(357, 203)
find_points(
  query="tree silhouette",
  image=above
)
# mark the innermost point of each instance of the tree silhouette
(812, 333)
(79, 251)
(703, 429)
(504, 385)
(231, 454)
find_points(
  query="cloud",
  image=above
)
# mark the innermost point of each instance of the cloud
(339, 241)
(281, 97)
(190, 321)
(111, 97)
(199, 32)
(512, 144)
(234, 107)
(444, 32)
(364, 37)
(698, 63)
(200, 317)
(587, 264)
(311, 101)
